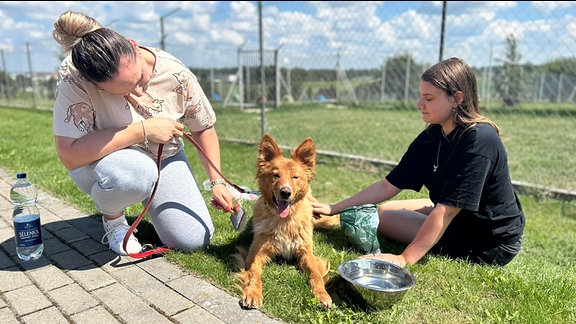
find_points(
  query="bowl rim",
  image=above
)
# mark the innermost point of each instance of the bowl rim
(391, 290)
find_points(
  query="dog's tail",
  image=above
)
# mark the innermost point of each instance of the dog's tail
(326, 222)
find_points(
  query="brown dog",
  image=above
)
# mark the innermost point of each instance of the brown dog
(282, 220)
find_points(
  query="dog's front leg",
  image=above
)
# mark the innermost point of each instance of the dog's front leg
(316, 268)
(258, 256)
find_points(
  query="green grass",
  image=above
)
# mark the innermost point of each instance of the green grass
(539, 286)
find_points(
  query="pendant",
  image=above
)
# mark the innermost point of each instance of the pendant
(435, 167)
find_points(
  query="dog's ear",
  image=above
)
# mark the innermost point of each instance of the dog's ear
(306, 153)
(268, 149)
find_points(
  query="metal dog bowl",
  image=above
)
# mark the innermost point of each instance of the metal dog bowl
(380, 283)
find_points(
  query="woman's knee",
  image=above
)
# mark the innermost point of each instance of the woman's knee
(401, 220)
(184, 230)
(127, 170)
(198, 240)
(423, 206)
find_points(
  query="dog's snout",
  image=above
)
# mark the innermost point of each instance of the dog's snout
(285, 192)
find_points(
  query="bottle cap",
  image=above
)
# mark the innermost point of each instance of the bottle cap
(21, 175)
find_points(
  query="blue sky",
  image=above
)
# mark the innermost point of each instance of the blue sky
(315, 34)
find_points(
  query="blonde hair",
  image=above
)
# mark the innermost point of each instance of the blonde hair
(71, 27)
(95, 50)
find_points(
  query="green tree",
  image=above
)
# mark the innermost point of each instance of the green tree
(402, 77)
(509, 78)
(562, 66)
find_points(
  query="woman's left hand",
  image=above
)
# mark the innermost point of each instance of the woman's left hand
(388, 257)
(222, 198)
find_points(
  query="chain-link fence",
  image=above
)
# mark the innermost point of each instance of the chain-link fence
(527, 81)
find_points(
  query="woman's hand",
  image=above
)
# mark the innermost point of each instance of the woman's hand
(321, 209)
(392, 258)
(222, 198)
(162, 129)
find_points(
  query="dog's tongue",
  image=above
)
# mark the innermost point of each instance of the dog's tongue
(283, 208)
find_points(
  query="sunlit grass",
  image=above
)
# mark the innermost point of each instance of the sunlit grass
(538, 286)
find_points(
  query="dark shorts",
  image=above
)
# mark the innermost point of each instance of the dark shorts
(500, 255)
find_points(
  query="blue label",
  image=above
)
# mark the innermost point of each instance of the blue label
(28, 233)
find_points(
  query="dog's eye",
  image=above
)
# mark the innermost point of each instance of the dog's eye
(296, 177)
(275, 175)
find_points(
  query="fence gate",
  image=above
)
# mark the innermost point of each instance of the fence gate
(245, 91)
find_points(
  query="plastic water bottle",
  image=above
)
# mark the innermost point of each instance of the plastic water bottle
(26, 217)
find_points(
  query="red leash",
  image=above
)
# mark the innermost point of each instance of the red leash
(162, 250)
(188, 137)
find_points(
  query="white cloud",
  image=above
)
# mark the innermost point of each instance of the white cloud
(551, 6)
(310, 34)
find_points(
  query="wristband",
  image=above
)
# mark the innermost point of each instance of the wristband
(216, 182)
(145, 135)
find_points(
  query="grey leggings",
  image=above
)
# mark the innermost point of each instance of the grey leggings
(126, 177)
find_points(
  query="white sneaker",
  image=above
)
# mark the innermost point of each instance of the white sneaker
(114, 232)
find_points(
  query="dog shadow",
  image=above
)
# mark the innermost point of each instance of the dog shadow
(226, 252)
(330, 243)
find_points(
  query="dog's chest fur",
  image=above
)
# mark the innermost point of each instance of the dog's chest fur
(287, 235)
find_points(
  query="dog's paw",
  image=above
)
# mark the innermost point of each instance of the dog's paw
(325, 300)
(251, 301)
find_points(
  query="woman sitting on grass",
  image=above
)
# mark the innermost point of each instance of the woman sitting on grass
(473, 212)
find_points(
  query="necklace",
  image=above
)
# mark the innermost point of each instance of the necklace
(438, 156)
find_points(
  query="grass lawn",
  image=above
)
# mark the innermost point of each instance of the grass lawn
(539, 286)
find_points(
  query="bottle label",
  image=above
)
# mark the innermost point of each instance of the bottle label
(28, 233)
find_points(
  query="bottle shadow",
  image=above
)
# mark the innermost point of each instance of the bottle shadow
(72, 244)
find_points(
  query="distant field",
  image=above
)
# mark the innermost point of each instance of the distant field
(540, 141)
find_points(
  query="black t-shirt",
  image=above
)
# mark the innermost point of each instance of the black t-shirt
(467, 169)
